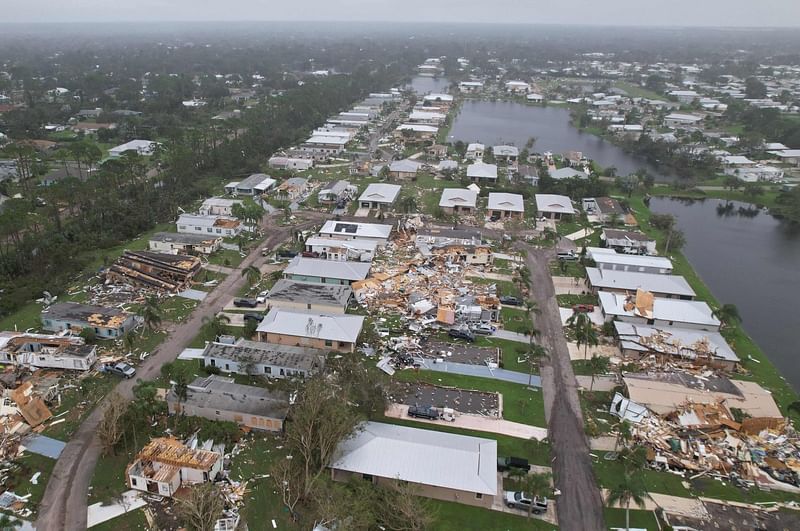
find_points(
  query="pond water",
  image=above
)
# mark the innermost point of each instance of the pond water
(425, 85)
(750, 259)
(506, 122)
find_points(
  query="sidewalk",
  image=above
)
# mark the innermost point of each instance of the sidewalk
(98, 513)
(481, 371)
(477, 423)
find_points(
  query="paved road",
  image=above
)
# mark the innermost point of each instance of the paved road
(580, 506)
(64, 503)
(481, 371)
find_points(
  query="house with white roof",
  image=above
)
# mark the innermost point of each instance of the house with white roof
(439, 465)
(789, 156)
(517, 87)
(144, 148)
(535, 98)
(255, 184)
(736, 164)
(678, 120)
(567, 173)
(553, 206)
(330, 332)
(219, 206)
(605, 258)
(416, 131)
(470, 87)
(626, 282)
(379, 196)
(438, 98)
(223, 226)
(507, 154)
(644, 308)
(482, 172)
(338, 249)
(404, 169)
(458, 201)
(350, 230)
(685, 96)
(504, 206)
(419, 116)
(475, 151)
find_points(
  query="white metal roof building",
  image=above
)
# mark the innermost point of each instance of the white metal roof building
(352, 230)
(553, 205)
(142, 147)
(379, 194)
(458, 198)
(315, 325)
(482, 171)
(567, 173)
(506, 202)
(667, 286)
(318, 270)
(610, 259)
(423, 457)
(671, 312)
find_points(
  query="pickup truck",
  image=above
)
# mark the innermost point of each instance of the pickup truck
(461, 333)
(520, 500)
(119, 369)
(507, 463)
(431, 413)
(567, 256)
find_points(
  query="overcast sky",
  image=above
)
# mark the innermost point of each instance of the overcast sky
(593, 12)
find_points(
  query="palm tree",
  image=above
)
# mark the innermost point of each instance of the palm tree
(728, 314)
(151, 313)
(630, 488)
(624, 434)
(216, 326)
(253, 275)
(597, 365)
(585, 334)
(535, 353)
(535, 485)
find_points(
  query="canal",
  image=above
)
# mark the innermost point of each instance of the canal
(425, 85)
(506, 122)
(750, 259)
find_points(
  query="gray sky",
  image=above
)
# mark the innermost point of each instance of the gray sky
(593, 12)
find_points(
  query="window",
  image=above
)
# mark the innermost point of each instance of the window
(227, 367)
(328, 343)
(368, 477)
(209, 229)
(213, 362)
(133, 482)
(219, 231)
(282, 373)
(267, 370)
(478, 496)
(308, 306)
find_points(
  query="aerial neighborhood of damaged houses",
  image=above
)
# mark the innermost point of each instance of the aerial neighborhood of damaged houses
(436, 265)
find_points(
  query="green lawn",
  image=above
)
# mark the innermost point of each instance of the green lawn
(78, 402)
(595, 412)
(504, 287)
(515, 320)
(132, 521)
(568, 301)
(108, 481)
(510, 352)
(639, 519)
(452, 516)
(206, 276)
(520, 404)
(561, 268)
(262, 502)
(226, 258)
(635, 91)
(20, 472)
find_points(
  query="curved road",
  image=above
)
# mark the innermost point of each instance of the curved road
(65, 499)
(580, 505)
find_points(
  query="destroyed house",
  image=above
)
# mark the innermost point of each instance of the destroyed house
(670, 343)
(605, 208)
(626, 282)
(348, 230)
(150, 270)
(311, 329)
(177, 243)
(46, 351)
(107, 323)
(442, 466)
(643, 308)
(267, 359)
(219, 398)
(463, 254)
(626, 239)
(323, 271)
(26, 401)
(165, 465)
(326, 298)
(335, 191)
(219, 206)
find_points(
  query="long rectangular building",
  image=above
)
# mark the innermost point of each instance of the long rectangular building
(664, 286)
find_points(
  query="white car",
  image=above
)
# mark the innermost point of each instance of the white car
(261, 298)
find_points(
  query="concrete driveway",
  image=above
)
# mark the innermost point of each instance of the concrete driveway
(481, 371)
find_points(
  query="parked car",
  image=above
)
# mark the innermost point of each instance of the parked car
(568, 256)
(261, 298)
(507, 463)
(251, 316)
(583, 308)
(484, 329)
(431, 413)
(520, 500)
(461, 333)
(119, 369)
(245, 303)
(511, 301)
(285, 255)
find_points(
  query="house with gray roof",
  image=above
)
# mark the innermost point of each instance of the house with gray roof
(106, 323)
(323, 271)
(219, 398)
(379, 196)
(255, 184)
(663, 286)
(503, 206)
(440, 465)
(266, 359)
(458, 201)
(326, 298)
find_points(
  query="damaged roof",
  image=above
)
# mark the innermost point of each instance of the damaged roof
(317, 267)
(344, 328)
(220, 393)
(310, 293)
(300, 358)
(99, 316)
(172, 452)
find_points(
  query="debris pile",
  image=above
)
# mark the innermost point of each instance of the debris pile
(158, 271)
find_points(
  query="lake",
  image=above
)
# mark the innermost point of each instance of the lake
(752, 260)
(425, 85)
(505, 122)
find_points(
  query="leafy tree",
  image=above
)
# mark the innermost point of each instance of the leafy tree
(151, 313)
(201, 507)
(253, 275)
(88, 335)
(216, 326)
(754, 89)
(597, 365)
(111, 427)
(535, 485)
(728, 314)
(630, 488)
